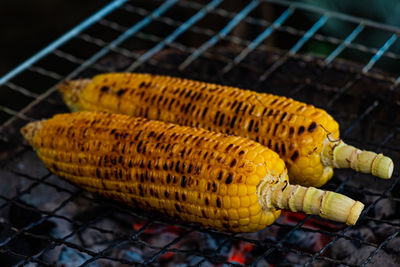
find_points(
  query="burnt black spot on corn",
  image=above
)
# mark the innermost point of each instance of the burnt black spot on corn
(261, 117)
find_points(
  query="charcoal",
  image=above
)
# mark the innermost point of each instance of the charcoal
(394, 246)
(23, 215)
(17, 245)
(70, 258)
(383, 209)
(384, 230)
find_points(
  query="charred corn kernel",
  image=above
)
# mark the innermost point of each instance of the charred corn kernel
(215, 200)
(293, 129)
(223, 189)
(218, 224)
(148, 164)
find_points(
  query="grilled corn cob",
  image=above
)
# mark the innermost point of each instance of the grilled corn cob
(304, 136)
(224, 182)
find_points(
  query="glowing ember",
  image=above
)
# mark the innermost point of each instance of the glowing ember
(311, 223)
(239, 252)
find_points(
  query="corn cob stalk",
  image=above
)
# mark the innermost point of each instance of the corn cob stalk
(225, 182)
(304, 136)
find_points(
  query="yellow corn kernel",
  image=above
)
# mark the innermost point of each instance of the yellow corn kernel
(226, 202)
(244, 221)
(235, 202)
(253, 199)
(251, 155)
(243, 212)
(245, 201)
(253, 180)
(233, 189)
(266, 217)
(254, 209)
(259, 159)
(256, 218)
(251, 190)
(261, 170)
(242, 190)
(233, 214)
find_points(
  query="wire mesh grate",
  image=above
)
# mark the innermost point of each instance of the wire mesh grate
(215, 41)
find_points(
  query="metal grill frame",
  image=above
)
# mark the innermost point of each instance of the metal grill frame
(78, 32)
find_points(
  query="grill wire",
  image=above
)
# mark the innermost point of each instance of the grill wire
(119, 40)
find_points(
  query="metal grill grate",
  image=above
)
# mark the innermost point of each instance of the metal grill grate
(213, 41)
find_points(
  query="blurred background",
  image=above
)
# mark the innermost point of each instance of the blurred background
(27, 26)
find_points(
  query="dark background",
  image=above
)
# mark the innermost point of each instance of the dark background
(27, 26)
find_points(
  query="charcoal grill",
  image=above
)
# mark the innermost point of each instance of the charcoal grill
(46, 221)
